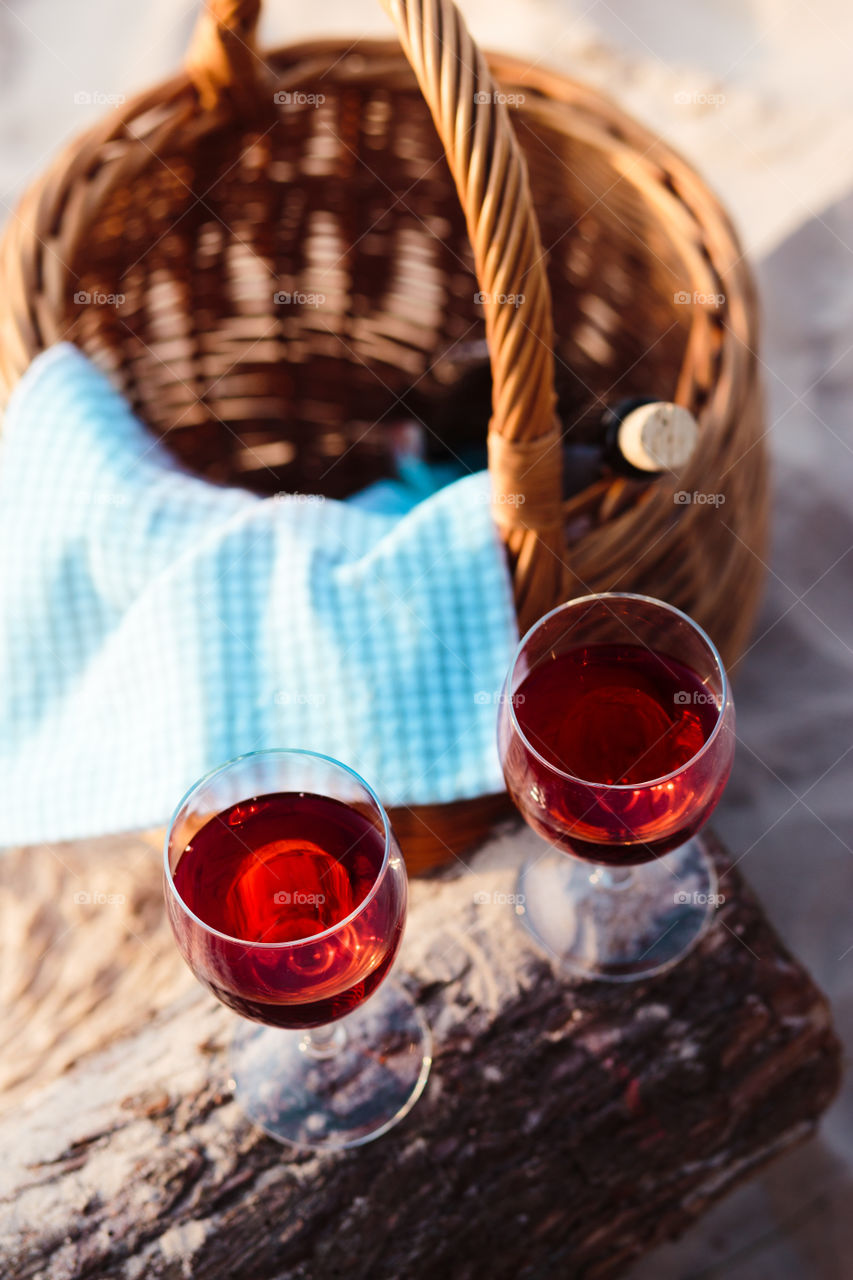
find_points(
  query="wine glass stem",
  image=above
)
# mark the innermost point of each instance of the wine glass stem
(323, 1042)
(612, 877)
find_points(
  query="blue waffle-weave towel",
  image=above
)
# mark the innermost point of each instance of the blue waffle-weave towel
(153, 625)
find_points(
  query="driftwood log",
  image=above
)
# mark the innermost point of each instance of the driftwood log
(567, 1127)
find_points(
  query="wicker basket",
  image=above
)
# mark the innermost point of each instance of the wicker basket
(393, 183)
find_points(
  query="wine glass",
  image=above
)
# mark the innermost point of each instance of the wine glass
(286, 892)
(616, 737)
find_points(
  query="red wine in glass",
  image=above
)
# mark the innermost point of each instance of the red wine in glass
(285, 868)
(616, 737)
(286, 892)
(615, 714)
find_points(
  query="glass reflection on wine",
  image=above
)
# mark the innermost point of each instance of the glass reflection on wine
(287, 892)
(616, 736)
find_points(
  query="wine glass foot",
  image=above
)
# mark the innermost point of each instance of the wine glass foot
(619, 924)
(345, 1087)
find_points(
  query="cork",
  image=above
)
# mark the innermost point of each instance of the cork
(658, 437)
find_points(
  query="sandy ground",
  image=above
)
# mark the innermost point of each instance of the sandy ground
(779, 149)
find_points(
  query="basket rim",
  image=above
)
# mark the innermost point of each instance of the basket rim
(173, 105)
(552, 85)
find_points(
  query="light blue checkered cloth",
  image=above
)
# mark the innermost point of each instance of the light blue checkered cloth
(153, 625)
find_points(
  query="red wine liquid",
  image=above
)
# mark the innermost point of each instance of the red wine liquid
(613, 715)
(616, 714)
(284, 868)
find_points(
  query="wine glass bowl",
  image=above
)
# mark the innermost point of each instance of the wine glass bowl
(674, 737)
(287, 892)
(616, 733)
(314, 940)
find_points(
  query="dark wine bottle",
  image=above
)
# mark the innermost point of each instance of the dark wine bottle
(639, 439)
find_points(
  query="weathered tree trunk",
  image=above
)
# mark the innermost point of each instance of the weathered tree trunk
(567, 1127)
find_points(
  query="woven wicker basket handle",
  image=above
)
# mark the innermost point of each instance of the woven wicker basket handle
(491, 177)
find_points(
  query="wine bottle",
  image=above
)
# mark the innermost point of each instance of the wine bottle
(639, 439)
